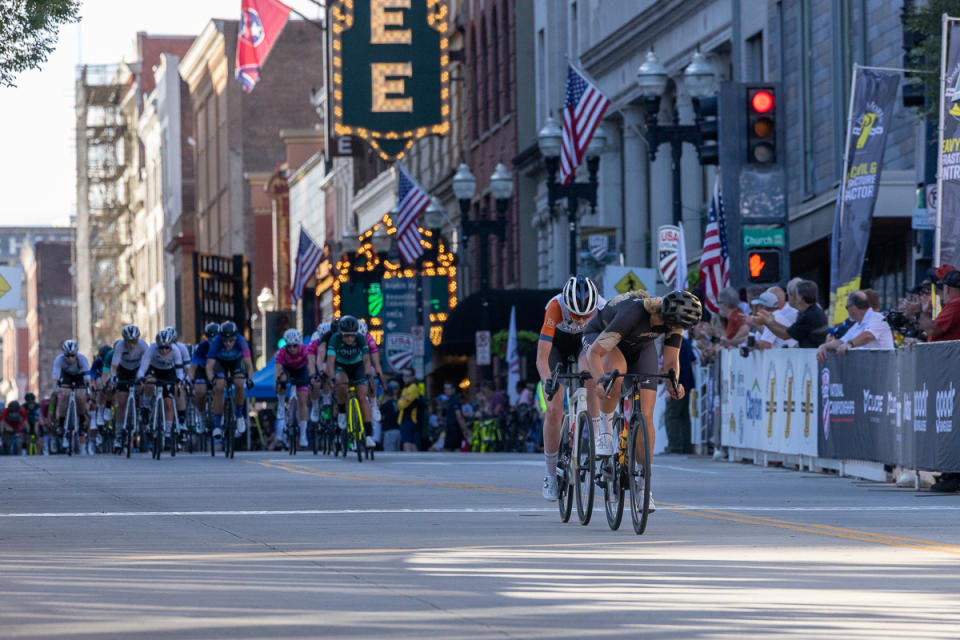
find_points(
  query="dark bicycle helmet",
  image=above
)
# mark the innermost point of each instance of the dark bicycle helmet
(580, 295)
(131, 333)
(211, 330)
(103, 351)
(228, 330)
(681, 309)
(349, 324)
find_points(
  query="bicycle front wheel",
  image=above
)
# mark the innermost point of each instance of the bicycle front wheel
(638, 472)
(613, 487)
(585, 468)
(564, 461)
(355, 421)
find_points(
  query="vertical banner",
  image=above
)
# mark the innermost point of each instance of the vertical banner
(947, 249)
(871, 109)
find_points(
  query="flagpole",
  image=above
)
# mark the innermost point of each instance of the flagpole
(943, 90)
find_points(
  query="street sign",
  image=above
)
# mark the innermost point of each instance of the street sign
(483, 347)
(10, 280)
(617, 280)
(390, 83)
(763, 237)
(419, 340)
(922, 221)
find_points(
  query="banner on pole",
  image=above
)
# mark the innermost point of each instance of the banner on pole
(871, 111)
(948, 189)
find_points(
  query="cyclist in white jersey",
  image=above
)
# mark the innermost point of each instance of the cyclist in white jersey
(69, 370)
(127, 354)
(163, 363)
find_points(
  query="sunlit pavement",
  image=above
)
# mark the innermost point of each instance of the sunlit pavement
(461, 545)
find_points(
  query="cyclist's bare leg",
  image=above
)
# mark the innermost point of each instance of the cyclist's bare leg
(218, 386)
(552, 421)
(613, 360)
(593, 405)
(200, 395)
(648, 399)
(121, 415)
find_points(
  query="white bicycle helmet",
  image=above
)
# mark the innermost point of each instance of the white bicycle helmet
(293, 337)
(580, 295)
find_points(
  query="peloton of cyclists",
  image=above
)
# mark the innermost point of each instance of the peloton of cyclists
(560, 339)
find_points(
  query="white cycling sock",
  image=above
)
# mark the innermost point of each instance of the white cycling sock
(606, 422)
(550, 461)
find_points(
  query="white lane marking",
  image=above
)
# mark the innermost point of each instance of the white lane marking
(851, 508)
(657, 465)
(290, 512)
(512, 463)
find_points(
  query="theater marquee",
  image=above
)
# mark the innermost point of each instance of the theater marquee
(390, 80)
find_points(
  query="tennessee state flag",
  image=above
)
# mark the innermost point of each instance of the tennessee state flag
(261, 21)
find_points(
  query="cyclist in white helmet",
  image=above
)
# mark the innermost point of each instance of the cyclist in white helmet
(560, 340)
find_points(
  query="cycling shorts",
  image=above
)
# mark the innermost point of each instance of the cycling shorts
(640, 359)
(355, 373)
(299, 377)
(166, 380)
(77, 379)
(126, 378)
(564, 347)
(224, 368)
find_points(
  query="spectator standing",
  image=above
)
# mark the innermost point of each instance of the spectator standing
(869, 330)
(407, 405)
(456, 426)
(390, 419)
(677, 412)
(810, 327)
(728, 302)
(946, 326)
(775, 300)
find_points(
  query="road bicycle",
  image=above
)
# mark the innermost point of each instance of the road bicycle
(229, 416)
(629, 468)
(71, 422)
(131, 417)
(354, 432)
(158, 418)
(575, 469)
(288, 410)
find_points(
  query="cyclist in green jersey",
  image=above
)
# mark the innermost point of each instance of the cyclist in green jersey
(348, 359)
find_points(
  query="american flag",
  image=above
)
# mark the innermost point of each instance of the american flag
(412, 200)
(308, 257)
(585, 106)
(715, 261)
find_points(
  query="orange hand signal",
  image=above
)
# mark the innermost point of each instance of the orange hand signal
(756, 265)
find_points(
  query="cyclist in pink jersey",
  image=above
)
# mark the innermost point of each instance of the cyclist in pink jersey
(291, 366)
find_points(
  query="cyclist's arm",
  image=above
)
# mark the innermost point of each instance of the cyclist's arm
(366, 362)
(331, 361)
(178, 365)
(671, 357)
(56, 369)
(543, 358)
(604, 343)
(145, 362)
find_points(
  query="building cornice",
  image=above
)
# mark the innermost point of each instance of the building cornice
(193, 64)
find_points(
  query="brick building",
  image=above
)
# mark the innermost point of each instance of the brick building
(14, 358)
(51, 308)
(237, 134)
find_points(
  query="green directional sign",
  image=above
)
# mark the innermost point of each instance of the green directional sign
(763, 237)
(374, 300)
(390, 82)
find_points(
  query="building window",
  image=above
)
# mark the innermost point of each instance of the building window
(484, 75)
(754, 58)
(806, 103)
(542, 76)
(475, 89)
(507, 60)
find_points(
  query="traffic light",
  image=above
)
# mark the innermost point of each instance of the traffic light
(763, 266)
(706, 119)
(761, 125)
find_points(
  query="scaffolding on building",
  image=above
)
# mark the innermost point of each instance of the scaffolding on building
(105, 150)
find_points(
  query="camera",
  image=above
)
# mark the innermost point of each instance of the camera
(899, 323)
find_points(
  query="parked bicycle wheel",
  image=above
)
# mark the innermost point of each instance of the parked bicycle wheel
(564, 461)
(585, 468)
(613, 487)
(638, 472)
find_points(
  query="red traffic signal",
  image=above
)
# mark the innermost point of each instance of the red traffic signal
(762, 101)
(761, 125)
(763, 266)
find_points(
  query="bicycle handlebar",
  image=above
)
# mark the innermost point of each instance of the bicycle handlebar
(671, 376)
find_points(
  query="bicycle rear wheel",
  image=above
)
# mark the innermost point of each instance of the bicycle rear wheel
(638, 472)
(564, 461)
(585, 468)
(613, 484)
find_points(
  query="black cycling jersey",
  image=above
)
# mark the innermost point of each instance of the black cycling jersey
(627, 322)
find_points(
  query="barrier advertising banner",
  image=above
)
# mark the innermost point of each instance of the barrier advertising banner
(893, 406)
(769, 401)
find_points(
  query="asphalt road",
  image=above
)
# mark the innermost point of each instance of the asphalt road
(461, 545)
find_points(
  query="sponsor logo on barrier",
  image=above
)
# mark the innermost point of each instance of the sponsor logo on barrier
(789, 406)
(945, 398)
(772, 403)
(872, 404)
(920, 409)
(825, 398)
(754, 403)
(806, 406)
(907, 407)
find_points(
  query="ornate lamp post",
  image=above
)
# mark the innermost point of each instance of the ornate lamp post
(699, 81)
(549, 141)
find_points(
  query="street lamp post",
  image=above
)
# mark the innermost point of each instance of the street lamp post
(652, 80)
(549, 141)
(501, 187)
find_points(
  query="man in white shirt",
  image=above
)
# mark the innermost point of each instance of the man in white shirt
(870, 330)
(774, 298)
